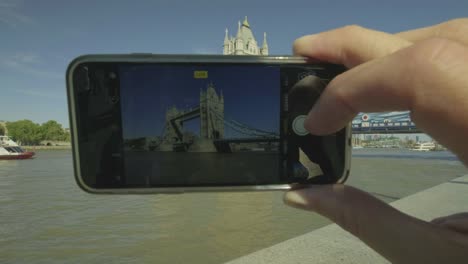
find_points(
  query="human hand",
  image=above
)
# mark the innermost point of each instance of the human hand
(424, 71)
(456, 222)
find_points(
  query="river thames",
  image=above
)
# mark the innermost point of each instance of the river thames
(46, 218)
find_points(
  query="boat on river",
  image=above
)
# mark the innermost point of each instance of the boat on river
(10, 150)
(424, 146)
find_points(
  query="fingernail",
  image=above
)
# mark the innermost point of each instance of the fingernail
(302, 44)
(305, 38)
(294, 199)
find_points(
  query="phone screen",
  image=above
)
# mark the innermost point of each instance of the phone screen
(183, 125)
(200, 125)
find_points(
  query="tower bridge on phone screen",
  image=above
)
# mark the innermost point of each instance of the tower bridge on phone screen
(217, 132)
(220, 133)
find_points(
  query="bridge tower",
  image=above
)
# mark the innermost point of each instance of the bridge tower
(170, 135)
(211, 113)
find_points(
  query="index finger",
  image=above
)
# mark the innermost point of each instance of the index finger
(428, 78)
(349, 46)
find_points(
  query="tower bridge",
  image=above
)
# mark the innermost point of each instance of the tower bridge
(213, 125)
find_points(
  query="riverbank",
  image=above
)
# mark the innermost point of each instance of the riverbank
(34, 148)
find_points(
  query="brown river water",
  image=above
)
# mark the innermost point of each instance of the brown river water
(46, 218)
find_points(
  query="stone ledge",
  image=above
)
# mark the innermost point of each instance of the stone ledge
(331, 244)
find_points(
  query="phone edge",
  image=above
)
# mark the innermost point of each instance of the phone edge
(149, 57)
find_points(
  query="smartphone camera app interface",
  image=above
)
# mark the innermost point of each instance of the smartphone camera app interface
(219, 125)
(183, 125)
(207, 125)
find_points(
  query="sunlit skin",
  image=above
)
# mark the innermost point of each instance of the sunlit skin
(424, 71)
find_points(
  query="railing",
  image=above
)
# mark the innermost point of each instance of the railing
(385, 128)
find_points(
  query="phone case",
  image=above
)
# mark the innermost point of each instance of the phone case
(153, 58)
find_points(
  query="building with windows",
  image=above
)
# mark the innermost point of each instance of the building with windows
(244, 43)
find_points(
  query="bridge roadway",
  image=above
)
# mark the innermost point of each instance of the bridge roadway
(222, 145)
(385, 128)
(248, 140)
(370, 128)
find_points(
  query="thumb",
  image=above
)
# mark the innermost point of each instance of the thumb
(396, 236)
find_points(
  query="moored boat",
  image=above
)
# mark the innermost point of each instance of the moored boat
(9, 150)
(424, 146)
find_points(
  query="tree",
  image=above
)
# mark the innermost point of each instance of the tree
(25, 132)
(2, 130)
(51, 130)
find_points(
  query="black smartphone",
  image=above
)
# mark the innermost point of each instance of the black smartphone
(145, 123)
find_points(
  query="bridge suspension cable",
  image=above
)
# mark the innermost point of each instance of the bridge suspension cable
(243, 128)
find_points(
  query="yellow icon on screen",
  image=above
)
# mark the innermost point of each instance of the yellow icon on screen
(200, 74)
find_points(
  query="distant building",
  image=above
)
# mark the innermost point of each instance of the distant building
(244, 43)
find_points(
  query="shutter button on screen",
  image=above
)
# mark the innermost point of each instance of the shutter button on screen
(298, 125)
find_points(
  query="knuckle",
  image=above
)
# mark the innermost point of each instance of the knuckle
(346, 216)
(351, 30)
(341, 220)
(460, 21)
(454, 25)
(456, 29)
(359, 44)
(427, 65)
(351, 223)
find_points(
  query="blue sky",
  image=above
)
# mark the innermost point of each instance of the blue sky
(39, 38)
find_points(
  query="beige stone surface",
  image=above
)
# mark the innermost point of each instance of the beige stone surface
(331, 244)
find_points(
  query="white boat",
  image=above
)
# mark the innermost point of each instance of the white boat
(424, 146)
(9, 150)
